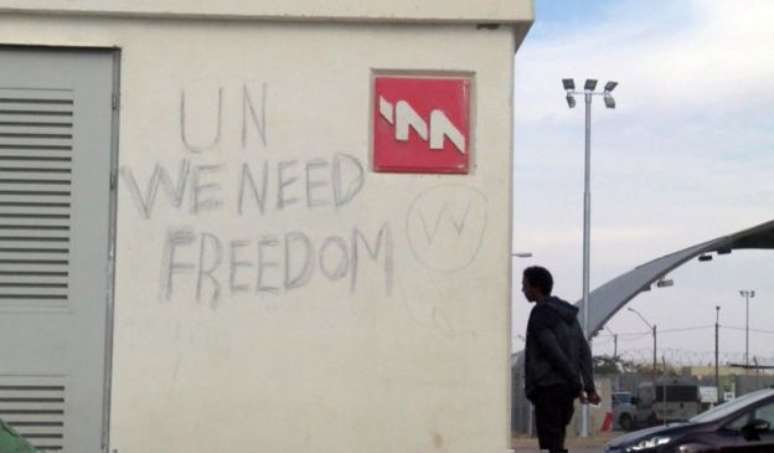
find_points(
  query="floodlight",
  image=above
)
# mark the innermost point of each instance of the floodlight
(569, 84)
(610, 86)
(609, 101)
(665, 283)
(570, 101)
(705, 258)
(590, 84)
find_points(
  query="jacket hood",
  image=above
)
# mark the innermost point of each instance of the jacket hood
(566, 311)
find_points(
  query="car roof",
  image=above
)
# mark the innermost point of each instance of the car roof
(732, 408)
(762, 393)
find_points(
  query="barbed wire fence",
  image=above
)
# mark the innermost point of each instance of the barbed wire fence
(676, 356)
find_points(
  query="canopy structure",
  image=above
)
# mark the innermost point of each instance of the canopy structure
(606, 300)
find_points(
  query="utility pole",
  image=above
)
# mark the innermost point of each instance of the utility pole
(664, 392)
(655, 360)
(717, 352)
(615, 342)
(747, 294)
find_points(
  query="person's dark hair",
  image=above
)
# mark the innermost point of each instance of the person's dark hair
(539, 277)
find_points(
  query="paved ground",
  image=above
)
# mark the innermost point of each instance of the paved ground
(594, 444)
(570, 448)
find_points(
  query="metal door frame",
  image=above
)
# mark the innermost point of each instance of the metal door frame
(115, 52)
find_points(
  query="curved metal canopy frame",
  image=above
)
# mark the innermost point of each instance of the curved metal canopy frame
(606, 300)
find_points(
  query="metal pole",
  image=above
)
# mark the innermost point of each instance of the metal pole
(655, 360)
(664, 391)
(615, 346)
(586, 247)
(655, 371)
(717, 352)
(747, 334)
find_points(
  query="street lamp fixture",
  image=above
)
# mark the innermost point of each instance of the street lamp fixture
(570, 101)
(665, 283)
(588, 92)
(610, 86)
(609, 101)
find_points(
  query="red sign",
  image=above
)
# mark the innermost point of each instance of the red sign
(421, 125)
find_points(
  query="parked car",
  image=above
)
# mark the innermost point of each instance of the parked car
(743, 424)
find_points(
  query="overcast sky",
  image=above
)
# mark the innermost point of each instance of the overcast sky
(687, 156)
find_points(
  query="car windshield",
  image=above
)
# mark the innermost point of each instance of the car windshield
(731, 406)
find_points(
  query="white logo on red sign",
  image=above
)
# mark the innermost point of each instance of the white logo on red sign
(403, 117)
(421, 124)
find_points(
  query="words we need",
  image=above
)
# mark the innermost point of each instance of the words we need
(261, 185)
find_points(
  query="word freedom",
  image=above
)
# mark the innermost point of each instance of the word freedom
(273, 264)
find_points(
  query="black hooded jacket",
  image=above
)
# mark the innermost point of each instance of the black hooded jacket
(556, 352)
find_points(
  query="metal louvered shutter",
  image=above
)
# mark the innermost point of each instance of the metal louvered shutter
(56, 126)
(34, 407)
(36, 156)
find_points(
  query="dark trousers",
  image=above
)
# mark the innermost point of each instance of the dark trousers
(553, 412)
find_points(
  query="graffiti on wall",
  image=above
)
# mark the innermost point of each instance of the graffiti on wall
(196, 262)
(447, 216)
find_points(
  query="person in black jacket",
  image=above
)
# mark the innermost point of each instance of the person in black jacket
(557, 362)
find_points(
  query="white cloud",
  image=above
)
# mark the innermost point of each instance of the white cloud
(721, 53)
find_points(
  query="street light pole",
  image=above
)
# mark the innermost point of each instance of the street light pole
(588, 91)
(747, 294)
(587, 217)
(652, 328)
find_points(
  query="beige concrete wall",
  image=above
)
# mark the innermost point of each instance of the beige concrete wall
(385, 353)
(500, 11)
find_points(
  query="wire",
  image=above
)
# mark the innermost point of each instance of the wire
(677, 329)
(629, 340)
(686, 329)
(771, 332)
(624, 334)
